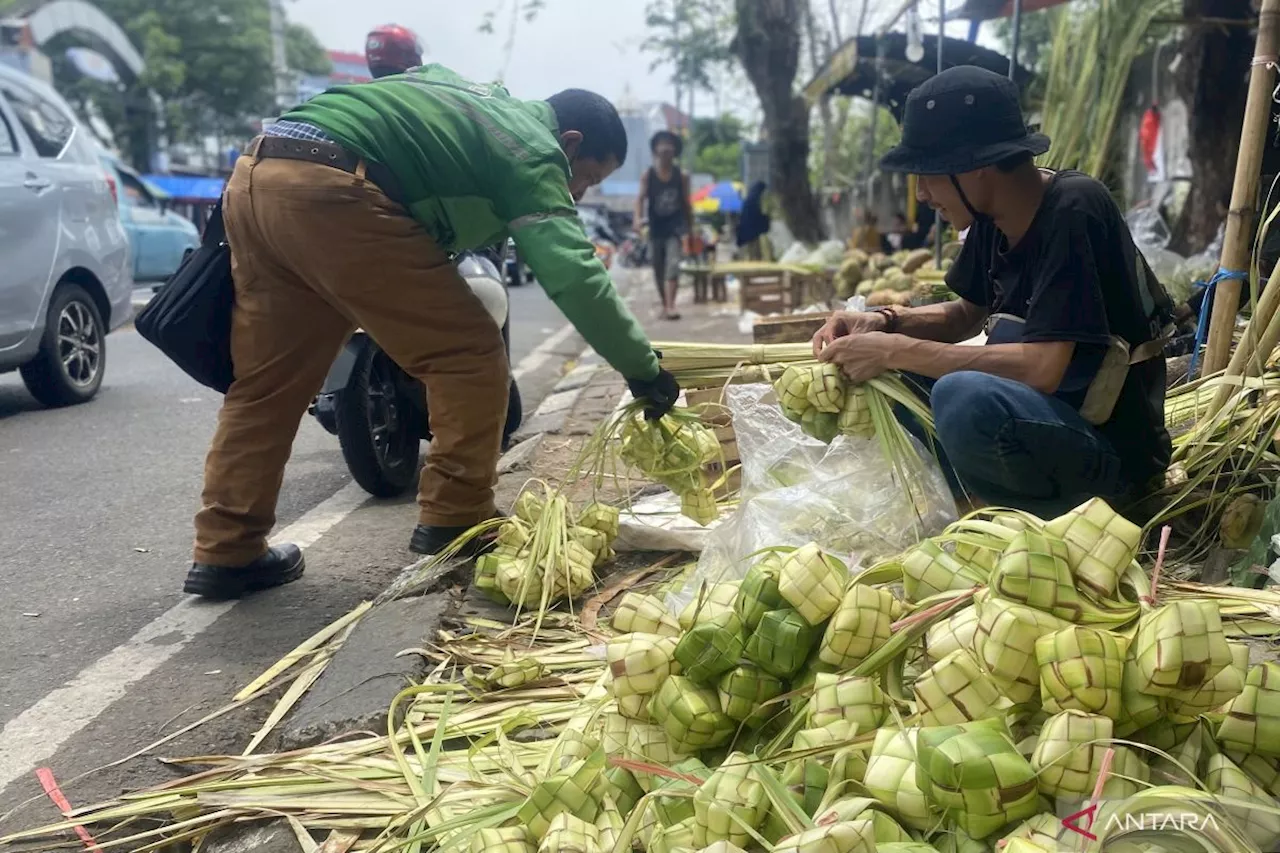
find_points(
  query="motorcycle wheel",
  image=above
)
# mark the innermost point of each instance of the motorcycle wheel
(376, 426)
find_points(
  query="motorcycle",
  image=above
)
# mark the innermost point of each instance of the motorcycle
(380, 413)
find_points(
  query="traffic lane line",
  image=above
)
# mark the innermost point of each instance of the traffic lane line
(40, 731)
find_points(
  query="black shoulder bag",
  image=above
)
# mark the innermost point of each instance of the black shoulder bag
(190, 319)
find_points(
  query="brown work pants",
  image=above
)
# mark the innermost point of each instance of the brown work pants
(317, 252)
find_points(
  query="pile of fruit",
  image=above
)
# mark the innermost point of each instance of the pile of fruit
(546, 552)
(894, 279)
(961, 694)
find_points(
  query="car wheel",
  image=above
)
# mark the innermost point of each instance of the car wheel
(73, 353)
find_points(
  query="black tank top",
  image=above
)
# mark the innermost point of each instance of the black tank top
(666, 203)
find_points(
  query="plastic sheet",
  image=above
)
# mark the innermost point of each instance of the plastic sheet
(845, 496)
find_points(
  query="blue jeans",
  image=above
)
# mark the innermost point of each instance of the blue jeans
(1010, 445)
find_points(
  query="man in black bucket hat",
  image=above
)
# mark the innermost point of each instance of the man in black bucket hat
(1066, 399)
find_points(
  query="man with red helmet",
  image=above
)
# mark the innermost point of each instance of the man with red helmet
(392, 49)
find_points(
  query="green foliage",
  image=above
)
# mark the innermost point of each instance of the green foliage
(209, 61)
(304, 52)
(722, 160)
(1035, 38)
(849, 157)
(689, 36)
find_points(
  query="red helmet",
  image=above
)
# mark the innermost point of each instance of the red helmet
(392, 49)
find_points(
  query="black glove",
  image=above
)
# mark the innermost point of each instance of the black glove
(661, 393)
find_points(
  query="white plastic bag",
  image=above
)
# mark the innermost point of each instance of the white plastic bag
(845, 496)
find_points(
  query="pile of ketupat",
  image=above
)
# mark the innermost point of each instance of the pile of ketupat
(546, 553)
(804, 710)
(676, 450)
(959, 696)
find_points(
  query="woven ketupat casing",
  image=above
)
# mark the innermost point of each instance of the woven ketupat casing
(1033, 570)
(758, 592)
(744, 692)
(781, 642)
(711, 648)
(1067, 754)
(729, 803)
(708, 602)
(1252, 723)
(570, 834)
(639, 663)
(860, 625)
(1100, 544)
(649, 743)
(566, 792)
(1229, 782)
(1005, 642)
(857, 699)
(928, 570)
(847, 837)
(508, 839)
(1180, 646)
(1217, 691)
(1081, 669)
(826, 389)
(975, 773)
(644, 614)
(891, 777)
(955, 690)
(690, 715)
(956, 632)
(812, 582)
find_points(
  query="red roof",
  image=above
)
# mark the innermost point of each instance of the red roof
(346, 56)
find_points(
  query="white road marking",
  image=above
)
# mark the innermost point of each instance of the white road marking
(542, 353)
(40, 731)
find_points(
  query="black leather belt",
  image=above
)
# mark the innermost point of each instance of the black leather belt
(333, 155)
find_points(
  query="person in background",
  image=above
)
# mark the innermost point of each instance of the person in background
(391, 49)
(866, 236)
(1066, 399)
(345, 214)
(893, 239)
(664, 204)
(754, 224)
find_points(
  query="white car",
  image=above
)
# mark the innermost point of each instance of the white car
(67, 275)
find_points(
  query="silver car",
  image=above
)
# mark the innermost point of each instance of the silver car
(65, 274)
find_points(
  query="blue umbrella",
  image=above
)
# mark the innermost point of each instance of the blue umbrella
(725, 197)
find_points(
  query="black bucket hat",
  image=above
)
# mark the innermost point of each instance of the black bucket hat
(960, 120)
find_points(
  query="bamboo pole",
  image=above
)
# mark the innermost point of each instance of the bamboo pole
(1238, 239)
(1261, 335)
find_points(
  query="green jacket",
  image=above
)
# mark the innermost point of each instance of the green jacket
(477, 165)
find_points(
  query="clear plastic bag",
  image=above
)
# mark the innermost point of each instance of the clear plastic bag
(845, 496)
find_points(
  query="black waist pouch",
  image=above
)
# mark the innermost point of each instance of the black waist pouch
(190, 319)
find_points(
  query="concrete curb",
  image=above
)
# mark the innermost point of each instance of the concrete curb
(356, 689)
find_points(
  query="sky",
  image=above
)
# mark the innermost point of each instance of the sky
(590, 44)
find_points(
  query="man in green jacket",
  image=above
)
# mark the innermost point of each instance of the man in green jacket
(345, 214)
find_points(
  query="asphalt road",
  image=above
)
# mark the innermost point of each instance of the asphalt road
(103, 654)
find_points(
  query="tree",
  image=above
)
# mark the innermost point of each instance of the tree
(1211, 80)
(209, 61)
(1035, 37)
(718, 143)
(304, 52)
(768, 45)
(848, 164)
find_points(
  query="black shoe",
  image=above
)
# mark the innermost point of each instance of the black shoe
(430, 539)
(280, 565)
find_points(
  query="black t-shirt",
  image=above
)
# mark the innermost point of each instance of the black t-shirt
(1074, 276)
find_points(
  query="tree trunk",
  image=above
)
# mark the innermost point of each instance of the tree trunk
(1213, 81)
(768, 44)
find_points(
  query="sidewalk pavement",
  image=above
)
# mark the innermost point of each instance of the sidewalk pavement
(356, 689)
